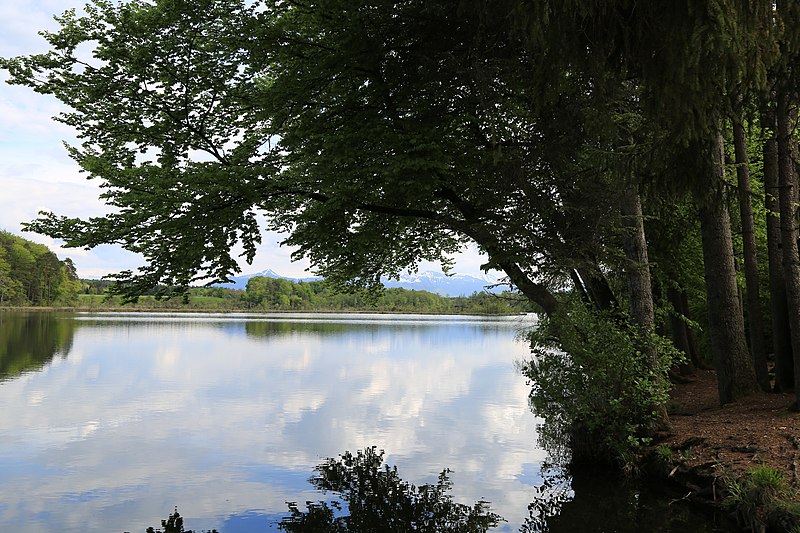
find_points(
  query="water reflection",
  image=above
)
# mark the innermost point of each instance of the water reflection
(372, 497)
(263, 328)
(149, 413)
(30, 341)
(226, 417)
(598, 501)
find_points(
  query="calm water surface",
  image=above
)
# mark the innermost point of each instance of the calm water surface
(109, 421)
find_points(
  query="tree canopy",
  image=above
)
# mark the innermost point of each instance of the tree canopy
(377, 135)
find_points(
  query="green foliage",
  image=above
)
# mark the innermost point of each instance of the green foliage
(595, 383)
(375, 498)
(664, 453)
(375, 137)
(173, 524)
(281, 294)
(762, 498)
(274, 294)
(30, 274)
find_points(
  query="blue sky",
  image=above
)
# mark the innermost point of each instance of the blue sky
(36, 173)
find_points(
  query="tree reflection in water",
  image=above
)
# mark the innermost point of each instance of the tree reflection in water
(373, 497)
(370, 497)
(599, 501)
(30, 341)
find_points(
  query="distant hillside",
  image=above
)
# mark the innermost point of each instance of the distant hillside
(435, 282)
(30, 274)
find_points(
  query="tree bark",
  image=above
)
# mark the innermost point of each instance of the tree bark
(754, 319)
(788, 202)
(735, 375)
(640, 291)
(680, 333)
(781, 334)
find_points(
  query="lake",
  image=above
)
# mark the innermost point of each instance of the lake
(111, 420)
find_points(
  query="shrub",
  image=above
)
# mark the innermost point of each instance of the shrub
(596, 383)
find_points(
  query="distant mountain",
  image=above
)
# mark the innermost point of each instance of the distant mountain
(436, 282)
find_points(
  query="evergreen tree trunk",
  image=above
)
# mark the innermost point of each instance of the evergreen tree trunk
(754, 319)
(791, 260)
(735, 375)
(698, 361)
(640, 291)
(781, 335)
(680, 333)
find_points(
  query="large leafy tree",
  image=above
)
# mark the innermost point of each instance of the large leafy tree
(376, 134)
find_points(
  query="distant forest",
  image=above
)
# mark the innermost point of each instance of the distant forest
(30, 274)
(275, 294)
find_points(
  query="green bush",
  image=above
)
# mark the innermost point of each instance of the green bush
(596, 382)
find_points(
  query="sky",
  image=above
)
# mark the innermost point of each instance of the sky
(36, 174)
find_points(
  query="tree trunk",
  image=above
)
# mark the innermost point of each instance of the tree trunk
(598, 289)
(754, 319)
(680, 334)
(781, 335)
(791, 259)
(640, 291)
(735, 375)
(696, 359)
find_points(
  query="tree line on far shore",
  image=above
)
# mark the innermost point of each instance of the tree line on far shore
(30, 274)
(277, 294)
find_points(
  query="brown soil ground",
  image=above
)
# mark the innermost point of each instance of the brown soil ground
(730, 440)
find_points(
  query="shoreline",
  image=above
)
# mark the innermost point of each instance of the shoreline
(124, 309)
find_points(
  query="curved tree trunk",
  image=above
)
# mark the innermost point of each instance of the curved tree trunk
(735, 375)
(754, 319)
(598, 289)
